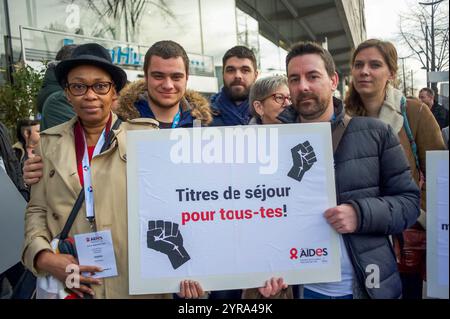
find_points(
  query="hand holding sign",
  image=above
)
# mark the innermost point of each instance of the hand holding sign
(165, 237)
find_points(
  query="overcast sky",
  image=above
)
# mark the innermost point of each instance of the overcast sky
(382, 22)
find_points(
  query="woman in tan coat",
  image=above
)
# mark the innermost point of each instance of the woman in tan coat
(72, 161)
(371, 93)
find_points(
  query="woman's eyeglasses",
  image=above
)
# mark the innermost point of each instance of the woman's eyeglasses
(78, 89)
(279, 98)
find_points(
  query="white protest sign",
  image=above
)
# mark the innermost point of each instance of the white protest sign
(230, 207)
(12, 217)
(437, 224)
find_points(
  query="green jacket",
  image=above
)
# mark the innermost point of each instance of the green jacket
(56, 110)
(49, 86)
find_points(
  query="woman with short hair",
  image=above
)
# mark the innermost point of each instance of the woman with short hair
(268, 98)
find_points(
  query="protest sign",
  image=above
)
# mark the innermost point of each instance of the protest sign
(437, 224)
(12, 216)
(230, 207)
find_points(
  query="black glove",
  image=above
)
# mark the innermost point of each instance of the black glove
(303, 157)
(165, 237)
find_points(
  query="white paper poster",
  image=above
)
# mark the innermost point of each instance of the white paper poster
(437, 224)
(12, 216)
(230, 207)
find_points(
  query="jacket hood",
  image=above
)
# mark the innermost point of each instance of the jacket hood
(133, 92)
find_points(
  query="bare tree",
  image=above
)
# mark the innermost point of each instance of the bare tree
(112, 13)
(415, 33)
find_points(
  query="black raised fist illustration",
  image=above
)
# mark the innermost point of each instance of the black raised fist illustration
(165, 237)
(303, 157)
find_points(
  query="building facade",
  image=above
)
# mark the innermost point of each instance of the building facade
(205, 28)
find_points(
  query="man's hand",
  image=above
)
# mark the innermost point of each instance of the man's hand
(56, 265)
(273, 287)
(32, 170)
(190, 290)
(165, 237)
(342, 218)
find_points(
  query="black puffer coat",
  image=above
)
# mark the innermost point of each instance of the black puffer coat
(372, 174)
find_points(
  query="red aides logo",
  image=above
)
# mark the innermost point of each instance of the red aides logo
(308, 252)
(94, 238)
(294, 253)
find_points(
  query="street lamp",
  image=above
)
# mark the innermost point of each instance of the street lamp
(426, 48)
(404, 79)
(434, 5)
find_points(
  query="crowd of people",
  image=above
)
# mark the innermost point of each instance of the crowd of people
(380, 139)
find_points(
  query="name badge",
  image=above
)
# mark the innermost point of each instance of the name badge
(97, 249)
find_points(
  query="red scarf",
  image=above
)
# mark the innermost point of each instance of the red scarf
(80, 147)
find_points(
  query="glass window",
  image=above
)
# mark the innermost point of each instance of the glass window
(172, 20)
(272, 58)
(283, 54)
(219, 27)
(248, 32)
(2, 44)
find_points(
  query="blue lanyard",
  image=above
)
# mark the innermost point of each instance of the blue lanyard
(333, 118)
(176, 119)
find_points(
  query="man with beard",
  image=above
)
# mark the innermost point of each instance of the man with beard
(230, 106)
(376, 195)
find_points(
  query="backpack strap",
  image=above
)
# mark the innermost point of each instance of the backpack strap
(338, 132)
(408, 131)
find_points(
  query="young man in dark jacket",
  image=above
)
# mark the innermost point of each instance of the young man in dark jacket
(426, 95)
(376, 194)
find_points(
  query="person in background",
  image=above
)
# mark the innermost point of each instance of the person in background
(371, 94)
(9, 162)
(268, 98)
(426, 95)
(27, 134)
(51, 100)
(231, 106)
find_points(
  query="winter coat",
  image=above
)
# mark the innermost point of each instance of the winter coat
(226, 112)
(372, 174)
(56, 110)
(193, 105)
(49, 86)
(440, 114)
(53, 197)
(424, 129)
